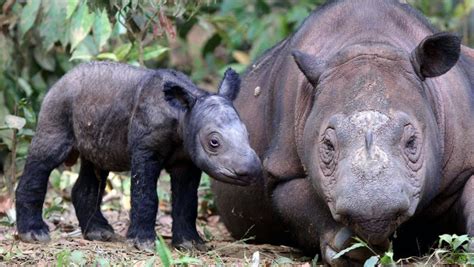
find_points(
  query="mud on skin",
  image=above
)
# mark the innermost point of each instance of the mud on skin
(368, 130)
(117, 117)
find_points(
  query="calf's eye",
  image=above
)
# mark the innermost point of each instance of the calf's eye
(214, 143)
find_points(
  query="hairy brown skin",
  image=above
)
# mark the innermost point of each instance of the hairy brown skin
(365, 125)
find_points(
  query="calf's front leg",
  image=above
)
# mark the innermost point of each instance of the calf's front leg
(146, 167)
(185, 179)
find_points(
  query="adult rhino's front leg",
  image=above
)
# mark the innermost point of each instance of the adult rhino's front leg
(466, 203)
(311, 225)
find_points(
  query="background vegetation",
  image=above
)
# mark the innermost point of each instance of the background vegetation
(41, 40)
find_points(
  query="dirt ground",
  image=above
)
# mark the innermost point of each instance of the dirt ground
(68, 246)
(67, 237)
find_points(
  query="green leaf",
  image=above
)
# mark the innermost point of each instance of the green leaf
(86, 50)
(52, 27)
(446, 238)
(387, 258)
(81, 24)
(163, 251)
(371, 262)
(25, 86)
(63, 258)
(150, 262)
(29, 114)
(71, 6)
(122, 51)
(102, 29)
(186, 260)
(101, 262)
(38, 82)
(28, 16)
(119, 27)
(110, 56)
(459, 240)
(344, 251)
(45, 60)
(153, 52)
(15, 122)
(78, 257)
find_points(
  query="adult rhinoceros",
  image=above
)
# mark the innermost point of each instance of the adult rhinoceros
(364, 121)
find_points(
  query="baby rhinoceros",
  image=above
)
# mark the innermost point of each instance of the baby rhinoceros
(119, 118)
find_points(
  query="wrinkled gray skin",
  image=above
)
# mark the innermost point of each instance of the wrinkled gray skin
(364, 121)
(118, 118)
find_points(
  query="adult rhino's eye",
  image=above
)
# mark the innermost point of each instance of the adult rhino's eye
(411, 142)
(411, 145)
(327, 151)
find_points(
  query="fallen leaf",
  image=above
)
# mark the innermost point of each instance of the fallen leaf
(5, 204)
(213, 220)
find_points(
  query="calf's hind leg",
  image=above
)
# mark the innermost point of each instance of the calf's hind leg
(47, 151)
(184, 186)
(87, 197)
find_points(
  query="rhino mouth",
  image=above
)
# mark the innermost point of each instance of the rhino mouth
(376, 231)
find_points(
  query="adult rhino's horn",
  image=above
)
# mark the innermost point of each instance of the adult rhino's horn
(311, 67)
(436, 54)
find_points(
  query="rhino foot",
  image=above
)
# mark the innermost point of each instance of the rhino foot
(36, 233)
(35, 236)
(190, 245)
(144, 245)
(102, 233)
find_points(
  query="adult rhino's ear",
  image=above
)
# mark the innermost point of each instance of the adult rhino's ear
(311, 67)
(178, 97)
(436, 54)
(230, 84)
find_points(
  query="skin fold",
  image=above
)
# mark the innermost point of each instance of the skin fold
(364, 123)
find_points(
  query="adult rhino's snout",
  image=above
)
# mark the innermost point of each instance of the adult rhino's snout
(373, 215)
(372, 197)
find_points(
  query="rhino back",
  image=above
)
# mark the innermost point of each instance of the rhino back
(98, 99)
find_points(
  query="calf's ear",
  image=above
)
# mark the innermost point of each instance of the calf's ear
(436, 54)
(230, 84)
(178, 97)
(311, 67)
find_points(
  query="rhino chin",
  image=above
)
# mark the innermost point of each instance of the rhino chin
(376, 231)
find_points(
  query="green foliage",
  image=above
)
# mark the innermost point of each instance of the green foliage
(385, 260)
(453, 249)
(167, 259)
(70, 258)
